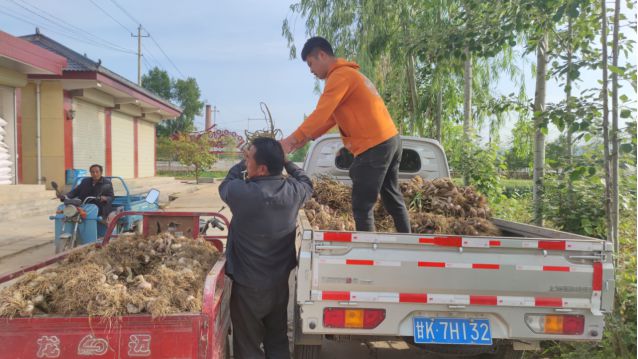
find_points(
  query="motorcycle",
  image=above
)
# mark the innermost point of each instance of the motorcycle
(79, 221)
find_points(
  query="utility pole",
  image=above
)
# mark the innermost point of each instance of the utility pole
(139, 53)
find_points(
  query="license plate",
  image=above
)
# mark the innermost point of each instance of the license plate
(452, 331)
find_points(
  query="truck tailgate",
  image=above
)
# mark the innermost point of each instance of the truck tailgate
(437, 266)
(445, 273)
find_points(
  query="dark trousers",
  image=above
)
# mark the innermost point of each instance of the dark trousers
(377, 171)
(260, 316)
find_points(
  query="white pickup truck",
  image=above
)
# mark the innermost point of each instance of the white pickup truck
(460, 295)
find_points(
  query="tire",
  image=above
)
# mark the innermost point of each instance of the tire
(302, 351)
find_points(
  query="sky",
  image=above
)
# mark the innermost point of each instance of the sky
(234, 49)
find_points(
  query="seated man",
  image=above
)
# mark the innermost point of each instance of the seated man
(95, 186)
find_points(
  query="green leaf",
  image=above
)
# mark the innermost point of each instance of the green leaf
(559, 13)
(625, 113)
(591, 170)
(577, 174)
(626, 147)
(624, 98)
(616, 70)
(573, 10)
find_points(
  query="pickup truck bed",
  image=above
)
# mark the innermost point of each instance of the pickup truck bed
(500, 278)
(527, 285)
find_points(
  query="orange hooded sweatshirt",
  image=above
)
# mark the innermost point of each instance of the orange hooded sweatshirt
(350, 101)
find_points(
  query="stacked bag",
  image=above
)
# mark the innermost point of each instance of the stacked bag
(5, 157)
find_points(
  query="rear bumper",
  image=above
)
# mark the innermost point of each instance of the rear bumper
(505, 322)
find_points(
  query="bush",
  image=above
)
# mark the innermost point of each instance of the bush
(194, 151)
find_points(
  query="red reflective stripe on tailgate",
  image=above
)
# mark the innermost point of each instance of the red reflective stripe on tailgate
(360, 262)
(554, 245)
(413, 298)
(452, 241)
(485, 266)
(548, 302)
(556, 268)
(432, 264)
(330, 295)
(337, 237)
(483, 300)
(597, 280)
(495, 243)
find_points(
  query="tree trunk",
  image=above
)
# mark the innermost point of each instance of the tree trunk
(569, 140)
(411, 74)
(437, 115)
(604, 95)
(615, 213)
(439, 95)
(539, 138)
(467, 109)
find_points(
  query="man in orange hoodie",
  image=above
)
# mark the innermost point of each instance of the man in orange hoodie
(351, 102)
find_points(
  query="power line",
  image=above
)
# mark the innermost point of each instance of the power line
(65, 26)
(153, 58)
(107, 13)
(89, 42)
(165, 55)
(126, 12)
(146, 64)
(151, 36)
(111, 16)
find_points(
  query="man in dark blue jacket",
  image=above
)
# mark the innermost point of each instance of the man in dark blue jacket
(95, 186)
(261, 246)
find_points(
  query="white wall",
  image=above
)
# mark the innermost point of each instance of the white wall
(88, 135)
(122, 145)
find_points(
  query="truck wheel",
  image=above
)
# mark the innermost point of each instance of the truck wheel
(301, 351)
(306, 351)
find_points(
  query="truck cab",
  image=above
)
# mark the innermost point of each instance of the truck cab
(420, 157)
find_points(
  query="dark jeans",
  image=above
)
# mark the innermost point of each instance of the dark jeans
(260, 316)
(377, 171)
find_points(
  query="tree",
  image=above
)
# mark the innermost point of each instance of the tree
(185, 93)
(194, 151)
(300, 154)
(605, 98)
(615, 49)
(540, 128)
(158, 82)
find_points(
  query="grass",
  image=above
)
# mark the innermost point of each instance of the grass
(512, 188)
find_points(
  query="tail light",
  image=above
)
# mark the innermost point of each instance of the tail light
(360, 318)
(556, 324)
